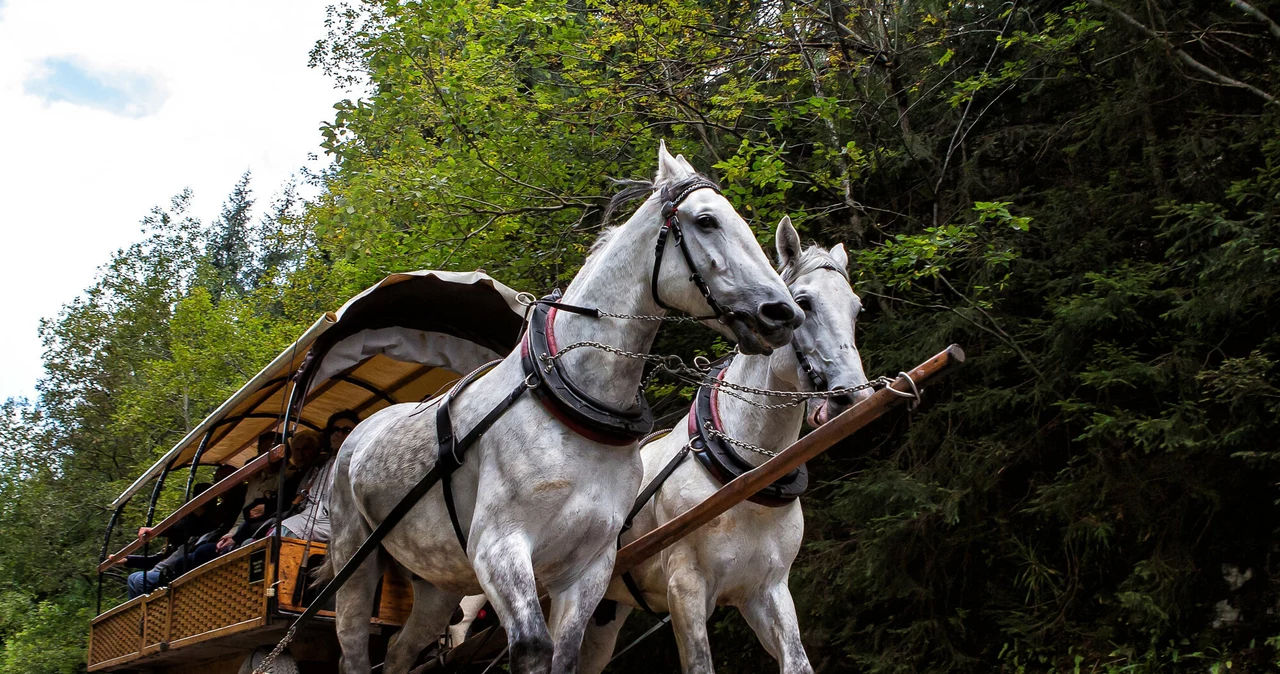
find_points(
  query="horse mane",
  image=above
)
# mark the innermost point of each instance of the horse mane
(814, 257)
(631, 190)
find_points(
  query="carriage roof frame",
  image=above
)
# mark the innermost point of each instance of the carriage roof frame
(227, 435)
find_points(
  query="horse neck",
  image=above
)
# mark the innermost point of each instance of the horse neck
(614, 278)
(772, 429)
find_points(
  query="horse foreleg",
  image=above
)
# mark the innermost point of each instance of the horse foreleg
(571, 609)
(772, 615)
(690, 604)
(432, 608)
(505, 571)
(599, 641)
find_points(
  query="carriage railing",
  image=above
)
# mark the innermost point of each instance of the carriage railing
(250, 469)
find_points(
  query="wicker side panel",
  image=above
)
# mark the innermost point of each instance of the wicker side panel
(218, 597)
(155, 624)
(117, 635)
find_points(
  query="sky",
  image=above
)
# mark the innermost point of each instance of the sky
(111, 108)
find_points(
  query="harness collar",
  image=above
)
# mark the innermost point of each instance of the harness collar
(557, 393)
(722, 461)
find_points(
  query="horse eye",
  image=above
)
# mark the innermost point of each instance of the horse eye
(707, 222)
(804, 304)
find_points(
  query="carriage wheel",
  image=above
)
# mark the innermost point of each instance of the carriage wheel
(284, 663)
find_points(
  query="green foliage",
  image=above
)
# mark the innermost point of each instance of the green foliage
(1092, 219)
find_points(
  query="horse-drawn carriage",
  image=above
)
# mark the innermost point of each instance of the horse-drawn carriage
(532, 520)
(403, 340)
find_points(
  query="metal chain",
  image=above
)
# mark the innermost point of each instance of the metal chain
(695, 376)
(264, 667)
(642, 317)
(712, 431)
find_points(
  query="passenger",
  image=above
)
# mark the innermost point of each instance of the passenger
(261, 497)
(305, 458)
(186, 538)
(310, 520)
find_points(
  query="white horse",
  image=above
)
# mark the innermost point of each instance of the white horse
(743, 557)
(540, 504)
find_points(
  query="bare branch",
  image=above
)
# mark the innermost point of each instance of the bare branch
(1259, 15)
(1183, 56)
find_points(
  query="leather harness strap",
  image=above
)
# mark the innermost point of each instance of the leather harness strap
(450, 452)
(647, 493)
(672, 196)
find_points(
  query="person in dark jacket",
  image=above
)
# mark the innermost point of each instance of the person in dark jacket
(259, 509)
(190, 541)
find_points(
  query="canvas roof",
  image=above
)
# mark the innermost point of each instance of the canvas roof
(402, 340)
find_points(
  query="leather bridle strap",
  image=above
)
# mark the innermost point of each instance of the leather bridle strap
(819, 382)
(672, 197)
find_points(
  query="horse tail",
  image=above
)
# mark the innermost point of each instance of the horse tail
(323, 573)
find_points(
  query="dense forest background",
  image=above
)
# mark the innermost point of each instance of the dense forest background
(1086, 195)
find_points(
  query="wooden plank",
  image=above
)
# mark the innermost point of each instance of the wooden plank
(804, 449)
(220, 632)
(248, 470)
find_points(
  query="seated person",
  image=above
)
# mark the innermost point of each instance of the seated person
(310, 520)
(259, 499)
(187, 548)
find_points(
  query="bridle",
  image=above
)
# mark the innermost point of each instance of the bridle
(815, 377)
(672, 197)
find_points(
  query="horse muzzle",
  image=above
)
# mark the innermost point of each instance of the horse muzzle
(822, 410)
(769, 327)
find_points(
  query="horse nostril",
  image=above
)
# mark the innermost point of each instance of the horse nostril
(844, 400)
(778, 313)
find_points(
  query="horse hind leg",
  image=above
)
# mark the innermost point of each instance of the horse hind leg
(772, 615)
(600, 641)
(505, 571)
(355, 600)
(432, 608)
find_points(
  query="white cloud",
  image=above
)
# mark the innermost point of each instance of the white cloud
(190, 95)
(120, 92)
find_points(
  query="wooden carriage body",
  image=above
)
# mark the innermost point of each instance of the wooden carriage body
(216, 613)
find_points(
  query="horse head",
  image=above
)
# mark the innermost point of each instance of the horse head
(826, 354)
(708, 263)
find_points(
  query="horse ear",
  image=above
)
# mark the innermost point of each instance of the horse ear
(788, 242)
(685, 163)
(840, 256)
(669, 168)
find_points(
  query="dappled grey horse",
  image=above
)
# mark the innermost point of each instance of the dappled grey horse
(743, 557)
(541, 495)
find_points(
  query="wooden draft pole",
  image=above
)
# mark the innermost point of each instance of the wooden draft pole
(804, 449)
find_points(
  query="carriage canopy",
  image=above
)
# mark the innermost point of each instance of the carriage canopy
(401, 340)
